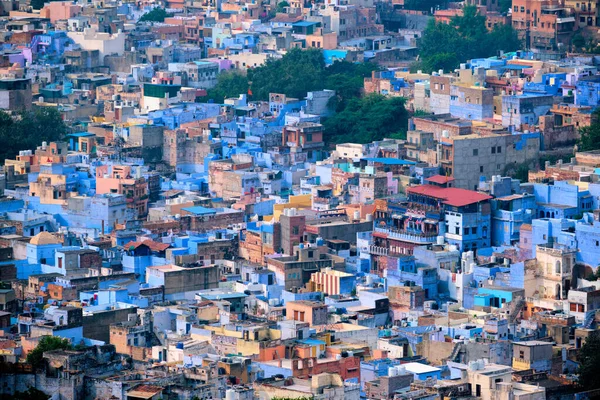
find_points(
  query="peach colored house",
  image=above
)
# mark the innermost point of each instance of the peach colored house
(119, 179)
(57, 10)
(320, 40)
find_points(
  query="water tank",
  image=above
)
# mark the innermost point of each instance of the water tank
(445, 134)
(44, 145)
(440, 240)
(230, 394)
(441, 72)
(320, 241)
(301, 246)
(350, 354)
(400, 369)
(179, 345)
(493, 259)
(356, 214)
(507, 262)
(369, 217)
(338, 356)
(453, 248)
(392, 371)
(369, 280)
(40, 99)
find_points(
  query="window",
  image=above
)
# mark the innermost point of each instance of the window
(481, 168)
(295, 230)
(310, 253)
(493, 150)
(457, 230)
(474, 230)
(475, 152)
(499, 150)
(466, 231)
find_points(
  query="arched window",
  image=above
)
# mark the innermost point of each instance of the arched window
(557, 267)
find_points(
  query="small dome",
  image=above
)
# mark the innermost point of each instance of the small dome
(43, 238)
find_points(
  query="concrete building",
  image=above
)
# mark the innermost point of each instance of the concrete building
(532, 355)
(183, 282)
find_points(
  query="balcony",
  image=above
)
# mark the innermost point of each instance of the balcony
(378, 251)
(419, 238)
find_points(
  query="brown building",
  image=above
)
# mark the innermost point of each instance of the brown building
(307, 311)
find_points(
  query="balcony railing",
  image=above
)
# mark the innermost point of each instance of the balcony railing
(408, 237)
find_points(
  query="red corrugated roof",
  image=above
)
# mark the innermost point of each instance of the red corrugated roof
(452, 196)
(155, 246)
(439, 179)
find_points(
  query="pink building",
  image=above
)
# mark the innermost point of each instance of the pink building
(57, 10)
(119, 179)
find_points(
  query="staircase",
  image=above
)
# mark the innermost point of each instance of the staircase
(590, 317)
(515, 309)
(455, 352)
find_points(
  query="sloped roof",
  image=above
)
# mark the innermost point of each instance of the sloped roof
(451, 196)
(44, 238)
(152, 245)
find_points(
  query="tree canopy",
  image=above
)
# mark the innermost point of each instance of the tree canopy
(358, 119)
(28, 129)
(369, 118)
(155, 15)
(589, 363)
(445, 46)
(229, 84)
(590, 135)
(47, 343)
(295, 74)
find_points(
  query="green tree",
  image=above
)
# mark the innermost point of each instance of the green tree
(578, 41)
(504, 5)
(589, 363)
(470, 25)
(347, 79)
(440, 47)
(424, 5)
(590, 136)
(366, 119)
(37, 4)
(229, 84)
(445, 46)
(295, 74)
(47, 343)
(26, 130)
(155, 15)
(281, 6)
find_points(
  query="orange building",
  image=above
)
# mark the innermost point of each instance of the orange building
(543, 24)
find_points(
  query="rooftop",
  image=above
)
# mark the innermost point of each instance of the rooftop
(451, 196)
